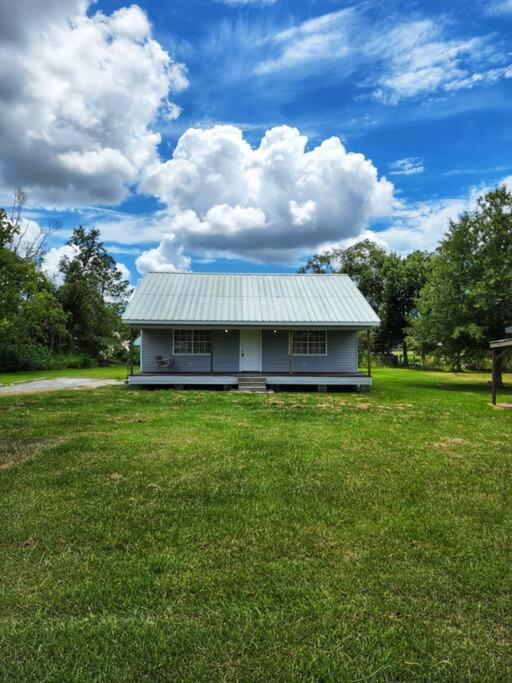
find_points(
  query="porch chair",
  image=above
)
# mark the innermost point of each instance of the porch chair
(162, 362)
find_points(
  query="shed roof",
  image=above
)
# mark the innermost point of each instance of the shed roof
(249, 299)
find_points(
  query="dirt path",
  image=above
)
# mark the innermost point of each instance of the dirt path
(56, 384)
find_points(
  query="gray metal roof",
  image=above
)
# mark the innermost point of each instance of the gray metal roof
(249, 299)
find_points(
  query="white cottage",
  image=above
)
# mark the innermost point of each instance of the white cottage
(249, 330)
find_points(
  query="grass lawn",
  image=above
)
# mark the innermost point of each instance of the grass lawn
(209, 536)
(109, 372)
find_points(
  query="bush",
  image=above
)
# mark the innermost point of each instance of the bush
(35, 357)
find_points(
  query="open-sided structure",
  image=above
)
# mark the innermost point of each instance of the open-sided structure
(235, 329)
(498, 349)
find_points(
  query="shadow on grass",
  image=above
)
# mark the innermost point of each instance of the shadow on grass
(472, 387)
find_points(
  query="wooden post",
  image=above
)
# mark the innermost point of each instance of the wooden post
(369, 351)
(493, 377)
(131, 359)
(211, 353)
(289, 352)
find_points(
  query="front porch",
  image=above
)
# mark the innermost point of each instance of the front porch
(270, 380)
(251, 359)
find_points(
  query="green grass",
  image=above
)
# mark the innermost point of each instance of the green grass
(209, 536)
(108, 372)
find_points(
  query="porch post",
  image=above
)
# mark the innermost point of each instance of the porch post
(369, 350)
(211, 353)
(493, 376)
(131, 359)
(289, 352)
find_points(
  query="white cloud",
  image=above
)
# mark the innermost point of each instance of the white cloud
(406, 59)
(167, 257)
(422, 225)
(407, 166)
(271, 203)
(420, 59)
(124, 270)
(499, 7)
(248, 2)
(52, 259)
(323, 38)
(78, 96)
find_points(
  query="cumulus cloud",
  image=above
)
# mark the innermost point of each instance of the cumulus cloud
(124, 270)
(269, 203)
(167, 257)
(78, 96)
(52, 259)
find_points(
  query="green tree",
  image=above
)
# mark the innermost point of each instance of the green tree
(94, 294)
(390, 283)
(467, 300)
(404, 278)
(31, 318)
(363, 262)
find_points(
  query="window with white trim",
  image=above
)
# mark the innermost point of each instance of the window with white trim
(309, 343)
(192, 342)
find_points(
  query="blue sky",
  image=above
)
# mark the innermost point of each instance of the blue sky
(418, 94)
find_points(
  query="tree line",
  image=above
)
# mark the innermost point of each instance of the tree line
(437, 308)
(44, 325)
(443, 306)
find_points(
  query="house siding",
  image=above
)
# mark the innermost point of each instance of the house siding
(342, 353)
(226, 351)
(154, 343)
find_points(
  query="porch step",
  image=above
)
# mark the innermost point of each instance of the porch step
(252, 384)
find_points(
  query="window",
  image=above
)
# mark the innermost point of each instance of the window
(311, 343)
(191, 342)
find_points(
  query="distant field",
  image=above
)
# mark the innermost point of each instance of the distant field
(210, 536)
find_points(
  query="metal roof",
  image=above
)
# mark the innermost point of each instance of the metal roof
(249, 299)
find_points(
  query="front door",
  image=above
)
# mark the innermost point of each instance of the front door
(250, 350)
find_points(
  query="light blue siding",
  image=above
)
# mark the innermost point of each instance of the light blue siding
(226, 350)
(154, 343)
(274, 351)
(160, 343)
(342, 353)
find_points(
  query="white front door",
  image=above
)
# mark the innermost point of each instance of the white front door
(250, 350)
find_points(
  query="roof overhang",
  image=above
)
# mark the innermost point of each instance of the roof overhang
(163, 324)
(501, 343)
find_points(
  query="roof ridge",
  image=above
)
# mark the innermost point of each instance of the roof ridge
(160, 272)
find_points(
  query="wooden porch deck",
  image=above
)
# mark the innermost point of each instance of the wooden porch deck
(231, 380)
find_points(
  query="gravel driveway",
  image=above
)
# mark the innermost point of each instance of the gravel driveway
(37, 385)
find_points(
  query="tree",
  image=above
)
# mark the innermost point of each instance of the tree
(363, 262)
(31, 319)
(390, 283)
(404, 278)
(467, 300)
(94, 294)
(25, 241)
